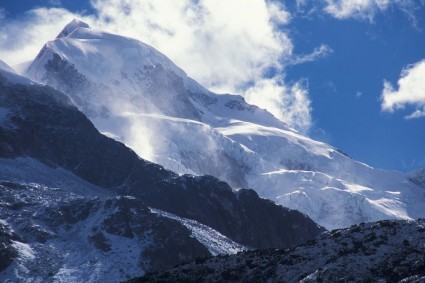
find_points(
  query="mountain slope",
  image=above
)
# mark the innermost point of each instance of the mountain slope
(45, 138)
(133, 93)
(385, 251)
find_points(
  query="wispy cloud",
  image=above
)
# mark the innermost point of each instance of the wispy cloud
(367, 9)
(417, 114)
(411, 91)
(319, 52)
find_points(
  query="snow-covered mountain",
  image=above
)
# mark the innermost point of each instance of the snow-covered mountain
(133, 93)
(384, 251)
(77, 206)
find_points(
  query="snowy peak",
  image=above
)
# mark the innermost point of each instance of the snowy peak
(100, 56)
(71, 27)
(139, 77)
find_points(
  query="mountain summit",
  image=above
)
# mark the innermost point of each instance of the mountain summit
(71, 27)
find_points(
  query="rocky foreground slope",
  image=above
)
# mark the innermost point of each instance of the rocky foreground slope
(384, 251)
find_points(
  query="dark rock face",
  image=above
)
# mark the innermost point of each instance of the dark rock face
(242, 216)
(385, 251)
(43, 124)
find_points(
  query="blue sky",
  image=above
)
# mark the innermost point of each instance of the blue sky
(319, 65)
(345, 87)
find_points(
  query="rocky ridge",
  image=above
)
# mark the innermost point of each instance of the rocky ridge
(383, 251)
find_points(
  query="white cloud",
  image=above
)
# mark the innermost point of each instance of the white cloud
(224, 45)
(411, 91)
(289, 103)
(366, 9)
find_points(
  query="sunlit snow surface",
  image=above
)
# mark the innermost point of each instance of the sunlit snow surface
(138, 96)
